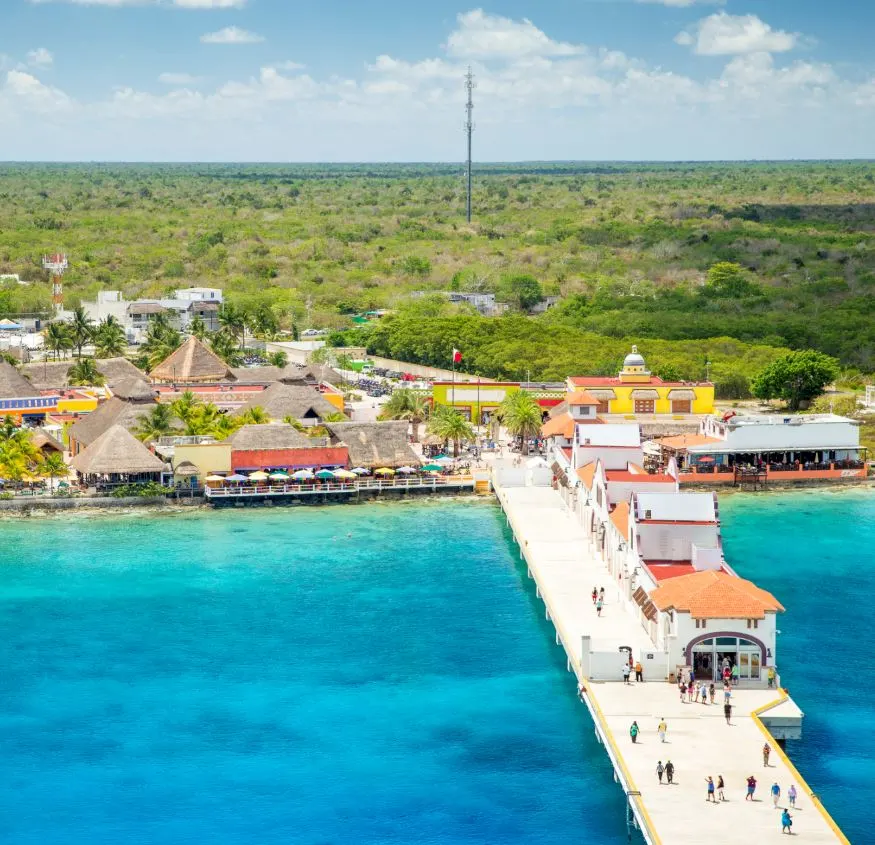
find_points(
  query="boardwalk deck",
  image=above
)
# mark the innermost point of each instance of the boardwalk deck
(700, 743)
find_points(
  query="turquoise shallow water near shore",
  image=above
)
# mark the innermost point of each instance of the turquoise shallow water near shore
(816, 551)
(372, 674)
(264, 677)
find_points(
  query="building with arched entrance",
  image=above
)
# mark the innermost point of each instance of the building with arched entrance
(710, 620)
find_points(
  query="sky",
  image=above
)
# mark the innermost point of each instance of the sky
(362, 80)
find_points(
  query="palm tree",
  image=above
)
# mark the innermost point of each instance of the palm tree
(225, 346)
(521, 416)
(202, 420)
(225, 425)
(85, 371)
(185, 405)
(110, 340)
(198, 327)
(336, 416)
(295, 424)
(57, 338)
(81, 330)
(451, 425)
(161, 341)
(406, 404)
(233, 321)
(51, 466)
(255, 416)
(18, 454)
(157, 423)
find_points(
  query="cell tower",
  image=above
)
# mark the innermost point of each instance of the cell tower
(469, 131)
(57, 265)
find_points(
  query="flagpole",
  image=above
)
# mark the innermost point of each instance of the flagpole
(453, 395)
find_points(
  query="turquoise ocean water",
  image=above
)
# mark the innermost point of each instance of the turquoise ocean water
(372, 674)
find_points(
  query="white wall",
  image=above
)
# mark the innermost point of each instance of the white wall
(611, 457)
(621, 491)
(674, 541)
(686, 631)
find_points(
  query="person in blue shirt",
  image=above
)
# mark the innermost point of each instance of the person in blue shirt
(776, 794)
(786, 822)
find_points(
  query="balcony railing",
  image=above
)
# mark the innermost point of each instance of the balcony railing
(319, 488)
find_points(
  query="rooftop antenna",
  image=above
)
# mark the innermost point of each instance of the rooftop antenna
(57, 265)
(469, 131)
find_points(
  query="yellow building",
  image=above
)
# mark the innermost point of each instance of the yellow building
(77, 401)
(637, 391)
(207, 457)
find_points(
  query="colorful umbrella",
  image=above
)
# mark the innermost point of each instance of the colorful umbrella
(384, 471)
(441, 458)
(259, 475)
(344, 473)
(325, 473)
(360, 471)
(302, 475)
(432, 468)
(279, 475)
(405, 470)
(215, 478)
(236, 477)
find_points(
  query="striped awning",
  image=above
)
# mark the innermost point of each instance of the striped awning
(645, 393)
(640, 597)
(649, 610)
(601, 393)
(681, 393)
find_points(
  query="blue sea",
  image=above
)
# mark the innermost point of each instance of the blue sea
(365, 674)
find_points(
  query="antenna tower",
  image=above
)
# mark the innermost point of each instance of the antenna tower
(57, 265)
(469, 131)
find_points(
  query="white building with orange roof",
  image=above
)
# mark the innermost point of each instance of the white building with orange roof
(711, 619)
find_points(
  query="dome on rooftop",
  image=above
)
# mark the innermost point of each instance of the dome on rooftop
(633, 359)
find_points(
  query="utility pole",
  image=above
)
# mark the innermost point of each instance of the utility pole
(469, 131)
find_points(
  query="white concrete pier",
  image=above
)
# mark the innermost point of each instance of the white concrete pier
(699, 742)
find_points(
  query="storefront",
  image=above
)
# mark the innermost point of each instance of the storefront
(708, 656)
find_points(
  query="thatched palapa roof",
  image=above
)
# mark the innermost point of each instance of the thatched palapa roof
(13, 385)
(186, 469)
(43, 441)
(290, 374)
(270, 436)
(52, 375)
(116, 452)
(192, 363)
(113, 412)
(286, 400)
(381, 444)
(133, 390)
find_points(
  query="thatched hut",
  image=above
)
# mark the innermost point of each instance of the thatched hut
(44, 441)
(191, 363)
(298, 402)
(133, 390)
(117, 457)
(53, 375)
(13, 385)
(380, 444)
(115, 411)
(272, 436)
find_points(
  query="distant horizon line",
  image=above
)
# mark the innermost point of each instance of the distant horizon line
(442, 163)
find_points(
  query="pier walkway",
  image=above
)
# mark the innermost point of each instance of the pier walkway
(699, 742)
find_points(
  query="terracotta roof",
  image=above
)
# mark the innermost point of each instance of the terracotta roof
(586, 473)
(620, 518)
(684, 441)
(715, 595)
(192, 363)
(116, 452)
(662, 570)
(563, 425)
(580, 397)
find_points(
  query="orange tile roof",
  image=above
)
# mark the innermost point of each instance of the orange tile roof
(580, 397)
(715, 595)
(563, 424)
(620, 518)
(587, 473)
(684, 441)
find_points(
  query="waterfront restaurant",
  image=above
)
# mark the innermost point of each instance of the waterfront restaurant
(777, 447)
(117, 457)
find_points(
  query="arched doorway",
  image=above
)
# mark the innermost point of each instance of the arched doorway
(709, 653)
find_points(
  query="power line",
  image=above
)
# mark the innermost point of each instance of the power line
(469, 131)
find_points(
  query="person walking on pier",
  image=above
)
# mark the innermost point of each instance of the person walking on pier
(751, 788)
(776, 794)
(595, 595)
(712, 691)
(602, 594)
(727, 712)
(626, 672)
(710, 781)
(660, 770)
(682, 689)
(634, 731)
(767, 750)
(703, 691)
(669, 771)
(720, 787)
(771, 676)
(735, 675)
(791, 795)
(639, 672)
(598, 607)
(661, 728)
(786, 822)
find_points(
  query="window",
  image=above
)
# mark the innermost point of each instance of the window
(701, 623)
(753, 623)
(681, 406)
(645, 406)
(648, 514)
(604, 407)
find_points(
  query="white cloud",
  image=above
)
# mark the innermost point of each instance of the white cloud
(484, 36)
(289, 65)
(722, 34)
(232, 35)
(179, 79)
(683, 4)
(210, 4)
(39, 57)
(26, 91)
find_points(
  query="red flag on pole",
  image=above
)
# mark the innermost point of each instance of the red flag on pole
(457, 356)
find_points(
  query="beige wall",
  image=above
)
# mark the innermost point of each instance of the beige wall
(208, 457)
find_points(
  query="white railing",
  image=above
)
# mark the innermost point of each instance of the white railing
(319, 488)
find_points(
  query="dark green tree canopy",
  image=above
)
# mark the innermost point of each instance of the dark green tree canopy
(796, 378)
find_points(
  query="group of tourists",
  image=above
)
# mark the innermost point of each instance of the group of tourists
(629, 667)
(598, 599)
